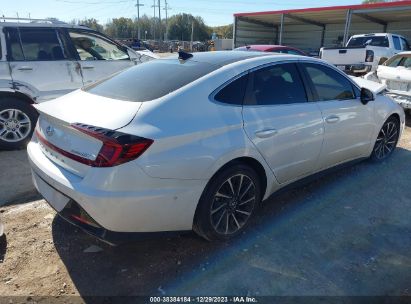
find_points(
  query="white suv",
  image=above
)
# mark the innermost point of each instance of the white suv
(43, 59)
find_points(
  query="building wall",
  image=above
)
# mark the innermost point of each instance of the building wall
(308, 37)
(250, 33)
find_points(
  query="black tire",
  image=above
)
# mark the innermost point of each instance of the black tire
(17, 122)
(387, 140)
(234, 212)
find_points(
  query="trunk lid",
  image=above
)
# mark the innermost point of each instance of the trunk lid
(344, 56)
(57, 137)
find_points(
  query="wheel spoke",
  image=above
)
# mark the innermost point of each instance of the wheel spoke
(243, 212)
(240, 185)
(246, 190)
(220, 219)
(218, 208)
(219, 194)
(235, 220)
(392, 135)
(231, 186)
(247, 201)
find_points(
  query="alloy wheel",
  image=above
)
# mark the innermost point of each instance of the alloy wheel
(233, 204)
(386, 140)
(15, 125)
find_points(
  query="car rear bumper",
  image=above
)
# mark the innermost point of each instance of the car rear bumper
(140, 204)
(356, 68)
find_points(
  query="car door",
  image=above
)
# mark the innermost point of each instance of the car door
(285, 127)
(40, 64)
(97, 55)
(348, 123)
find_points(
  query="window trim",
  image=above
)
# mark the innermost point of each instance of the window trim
(312, 87)
(249, 85)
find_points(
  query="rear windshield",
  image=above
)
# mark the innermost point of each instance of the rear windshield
(369, 40)
(151, 80)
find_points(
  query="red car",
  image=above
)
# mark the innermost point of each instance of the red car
(272, 48)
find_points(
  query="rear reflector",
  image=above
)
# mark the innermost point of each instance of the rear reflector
(118, 148)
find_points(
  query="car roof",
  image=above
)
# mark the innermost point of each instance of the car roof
(220, 58)
(42, 23)
(265, 47)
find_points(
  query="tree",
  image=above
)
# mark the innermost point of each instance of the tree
(91, 23)
(224, 31)
(179, 28)
(121, 28)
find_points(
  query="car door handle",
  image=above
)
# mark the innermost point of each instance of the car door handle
(88, 67)
(25, 68)
(266, 133)
(332, 119)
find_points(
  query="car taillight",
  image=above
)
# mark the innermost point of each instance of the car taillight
(369, 56)
(118, 148)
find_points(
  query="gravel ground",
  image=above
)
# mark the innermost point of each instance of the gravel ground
(346, 233)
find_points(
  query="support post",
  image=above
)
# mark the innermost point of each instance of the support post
(234, 32)
(347, 27)
(280, 39)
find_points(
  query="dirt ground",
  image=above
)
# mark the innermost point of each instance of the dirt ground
(346, 233)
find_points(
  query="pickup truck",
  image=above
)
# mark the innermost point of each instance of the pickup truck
(363, 53)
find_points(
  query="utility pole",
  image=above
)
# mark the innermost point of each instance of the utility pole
(138, 18)
(159, 18)
(154, 19)
(166, 8)
(192, 34)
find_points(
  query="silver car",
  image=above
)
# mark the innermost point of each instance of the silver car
(220, 132)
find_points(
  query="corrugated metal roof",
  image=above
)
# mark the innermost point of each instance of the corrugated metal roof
(336, 14)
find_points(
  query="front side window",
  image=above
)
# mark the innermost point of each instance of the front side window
(328, 83)
(275, 85)
(41, 44)
(397, 43)
(234, 92)
(93, 47)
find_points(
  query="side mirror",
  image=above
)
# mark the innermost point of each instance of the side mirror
(366, 96)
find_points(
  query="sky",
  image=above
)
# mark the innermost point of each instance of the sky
(214, 12)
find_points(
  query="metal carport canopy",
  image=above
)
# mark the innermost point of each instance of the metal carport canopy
(319, 18)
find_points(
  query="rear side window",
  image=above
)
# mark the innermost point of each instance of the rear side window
(41, 44)
(234, 92)
(34, 44)
(14, 51)
(397, 43)
(151, 80)
(328, 84)
(276, 85)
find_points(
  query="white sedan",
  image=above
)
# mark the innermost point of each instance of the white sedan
(218, 133)
(395, 74)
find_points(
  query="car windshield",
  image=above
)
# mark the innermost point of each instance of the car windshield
(369, 40)
(151, 80)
